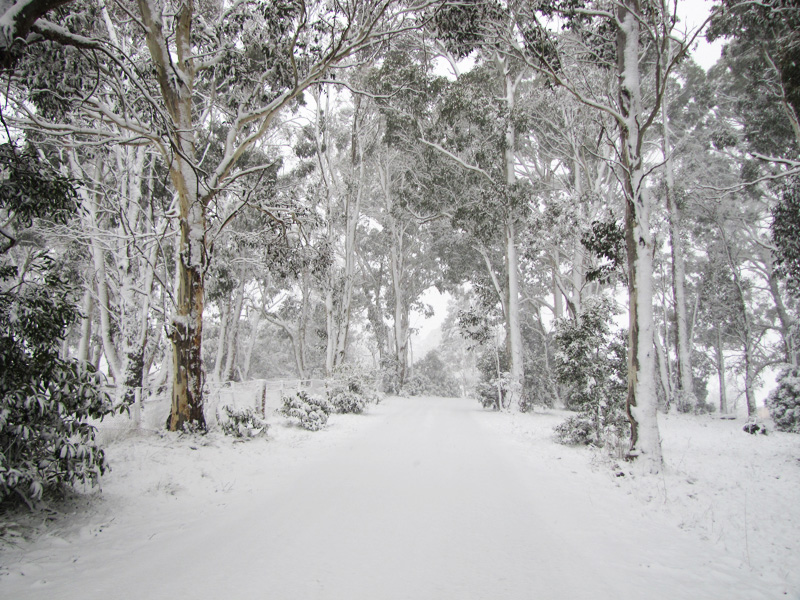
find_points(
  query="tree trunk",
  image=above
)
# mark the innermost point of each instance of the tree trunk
(175, 75)
(642, 401)
(233, 330)
(515, 349)
(87, 307)
(746, 334)
(513, 323)
(662, 368)
(686, 397)
(133, 272)
(787, 323)
(558, 299)
(720, 355)
(224, 311)
(251, 344)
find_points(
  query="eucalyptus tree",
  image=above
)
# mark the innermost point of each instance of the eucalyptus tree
(763, 53)
(232, 68)
(476, 130)
(628, 39)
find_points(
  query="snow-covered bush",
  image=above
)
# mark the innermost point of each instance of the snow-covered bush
(784, 402)
(492, 394)
(347, 402)
(311, 412)
(591, 364)
(354, 388)
(241, 422)
(577, 430)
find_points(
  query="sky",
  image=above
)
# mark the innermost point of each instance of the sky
(693, 13)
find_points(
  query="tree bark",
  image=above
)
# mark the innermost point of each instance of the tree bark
(87, 307)
(224, 310)
(642, 399)
(175, 75)
(233, 330)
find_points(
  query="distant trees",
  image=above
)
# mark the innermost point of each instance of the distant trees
(269, 187)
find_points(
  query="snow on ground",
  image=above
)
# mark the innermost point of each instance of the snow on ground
(740, 492)
(421, 498)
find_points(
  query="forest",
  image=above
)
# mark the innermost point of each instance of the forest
(199, 192)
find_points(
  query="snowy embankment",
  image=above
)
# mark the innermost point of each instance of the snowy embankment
(424, 499)
(740, 492)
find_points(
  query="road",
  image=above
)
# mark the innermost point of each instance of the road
(425, 501)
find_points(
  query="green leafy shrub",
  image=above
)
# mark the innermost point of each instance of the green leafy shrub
(591, 363)
(241, 422)
(46, 440)
(311, 412)
(784, 402)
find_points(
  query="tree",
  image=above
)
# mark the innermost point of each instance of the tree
(234, 68)
(630, 39)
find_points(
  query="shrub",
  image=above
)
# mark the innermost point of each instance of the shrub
(784, 402)
(45, 439)
(345, 401)
(577, 430)
(493, 393)
(241, 422)
(311, 412)
(591, 363)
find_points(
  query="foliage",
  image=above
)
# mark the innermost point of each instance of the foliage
(591, 363)
(348, 402)
(606, 240)
(495, 382)
(241, 422)
(785, 225)
(431, 378)
(312, 412)
(355, 379)
(390, 379)
(46, 440)
(353, 390)
(784, 402)
(492, 393)
(577, 430)
(763, 69)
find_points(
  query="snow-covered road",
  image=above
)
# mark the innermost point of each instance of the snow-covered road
(419, 499)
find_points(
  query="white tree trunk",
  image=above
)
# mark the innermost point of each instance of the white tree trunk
(224, 310)
(723, 391)
(642, 399)
(513, 323)
(87, 307)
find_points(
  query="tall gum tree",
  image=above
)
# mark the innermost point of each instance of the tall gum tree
(235, 67)
(630, 38)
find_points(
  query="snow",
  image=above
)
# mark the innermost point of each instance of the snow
(421, 498)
